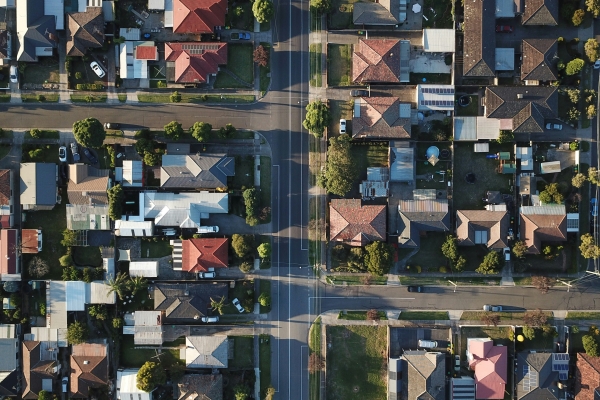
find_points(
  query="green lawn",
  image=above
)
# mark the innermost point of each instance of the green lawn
(341, 15)
(423, 315)
(86, 97)
(356, 280)
(265, 184)
(540, 342)
(243, 352)
(339, 109)
(244, 292)
(471, 110)
(265, 79)
(264, 364)
(583, 315)
(367, 155)
(196, 98)
(35, 98)
(315, 73)
(49, 154)
(314, 346)
(359, 315)
(356, 362)
(4, 98)
(429, 257)
(44, 71)
(135, 358)
(244, 173)
(339, 64)
(160, 248)
(88, 256)
(264, 287)
(241, 20)
(505, 315)
(4, 150)
(240, 63)
(441, 17)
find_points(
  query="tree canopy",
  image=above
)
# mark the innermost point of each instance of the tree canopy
(578, 17)
(320, 6)
(201, 131)
(44, 395)
(264, 250)
(317, 118)
(450, 249)
(263, 10)
(578, 180)
(574, 66)
(551, 194)
(490, 263)
(242, 245)
(340, 169)
(590, 345)
(150, 375)
(115, 202)
(77, 332)
(519, 249)
(591, 49)
(173, 130)
(588, 247)
(593, 6)
(261, 56)
(378, 258)
(89, 132)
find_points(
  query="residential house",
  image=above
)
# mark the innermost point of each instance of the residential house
(490, 364)
(89, 369)
(134, 57)
(206, 351)
(10, 259)
(435, 97)
(205, 387)
(134, 228)
(38, 188)
(186, 304)
(5, 46)
(479, 49)
(131, 174)
(200, 255)
(521, 109)
(196, 171)
(381, 61)
(425, 213)
(489, 228)
(540, 12)
(381, 118)
(193, 16)
(424, 375)
(36, 29)
(439, 40)
(145, 326)
(546, 223)
(194, 62)
(85, 30)
(87, 185)
(356, 224)
(127, 386)
(6, 199)
(541, 376)
(587, 377)
(540, 57)
(383, 13)
(9, 362)
(40, 368)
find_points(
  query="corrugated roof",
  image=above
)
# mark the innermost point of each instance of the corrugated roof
(75, 293)
(56, 304)
(100, 293)
(130, 33)
(439, 40)
(127, 385)
(148, 269)
(505, 59)
(465, 128)
(550, 167)
(38, 184)
(548, 209)
(402, 164)
(488, 128)
(7, 331)
(134, 228)
(437, 205)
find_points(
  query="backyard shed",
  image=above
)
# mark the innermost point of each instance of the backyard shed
(465, 128)
(481, 148)
(550, 167)
(127, 386)
(147, 269)
(439, 40)
(402, 164)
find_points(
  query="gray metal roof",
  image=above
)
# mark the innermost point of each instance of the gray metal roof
(207, 171)
(402, 164)
(206, 351)
(184, 209)
(8, 347)
(38, 184)
(368, 13)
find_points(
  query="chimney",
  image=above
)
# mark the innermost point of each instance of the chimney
(86, 362)
(519, 95)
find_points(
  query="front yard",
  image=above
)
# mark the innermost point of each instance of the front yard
(239, 63)
(44, 71)
(501, 335)
(339, 64)
(243, 352)
(341, 15)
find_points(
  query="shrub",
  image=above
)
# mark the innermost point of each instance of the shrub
(246, 267)
(89, 86)
(574, 66)
(78, 75)
(578, 17)
(175, 97)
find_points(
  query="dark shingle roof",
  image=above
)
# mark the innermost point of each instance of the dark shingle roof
(539, 60)
(3, 44)
(540, 12)
(208, 171)
(367, 13)
(418, 216)
(184, 302)
(542, 388)
(479, 57)
(38, 35)
(84, 30)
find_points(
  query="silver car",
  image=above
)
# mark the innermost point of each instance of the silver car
(97, 69)
(237, 305)
(75, 151)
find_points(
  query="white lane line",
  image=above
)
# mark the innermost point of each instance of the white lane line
(360, 297)
(278, 283)
(289, 200)
(302, 368)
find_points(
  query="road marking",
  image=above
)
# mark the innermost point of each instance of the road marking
(302, 368)
(359, 297)
(278, 253)
(289, 199)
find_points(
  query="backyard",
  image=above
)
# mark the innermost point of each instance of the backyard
(241, 16)
(356, 362)
(437, 14)
(472, 109)
(339, 64)
(341, 15)
(87, 256)
(541, 341)
(367, 155)
(240, 63)
(132, 357)
(152, 248)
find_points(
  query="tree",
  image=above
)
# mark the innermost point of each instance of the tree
(378, 258)
(136, 283)
(261, 56)
(201, 131)
(152, 158)
(44, 395)
(315, 363)
(373, 315)
(246, 267)
(340, 169)
(98, 311)
(588, 247)
(118, 285)
(578, 17)
(550, 194)
(529, 332)
(520, 249)
(450, 249)
(12, 286)
(117, 323)
(242, 245)
(459, 264)
(535, 319)
(71, 273)
(574, 95)
(150, 375)
(89, 132)
(264, 250)
(173, 130)
(320, 6)
(269, 393)
(578, 180)
(38, 267)
(490, 262)
(356, 259)
(264, 300)
(573, 115)
(241, 392)
(591, 49)
(77, 333)
(489, 318)
(505, 137)
(543, 283)
(317, 118)
(251, 201)
(227, 131)
(590, 345)
(591, 111)
(262, 10)
(175, 97)
(593, 6)
(574, 66)
(593, 176)
(218, 304)
(69, 238)
(115, 202)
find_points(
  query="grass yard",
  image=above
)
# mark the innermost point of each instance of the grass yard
(469, 196)
(244, 292)
(314, 346)
(240, 63)
(341, 15)
(315, 53)
(122, 97)
(423, 315)
(265, 79)
(44, 71)
(417, 78)
(157, 72)
(48, 155)
(499, 334)
(356, 362)
(243, 352)
(4, 98)
(339, 109)
(429, 257)
(339, 64)
(438, 13)
(241, 16)
(471, 110)
(44, 134)
(87, 256)
(156, 249)
(39, 98)
(244, 173)
(367, 155)
(88, 98)
(264, 362)
(196, 98)
(583, 315)
(540, 342)
(265, 184)
(135, 358)
(4, 150)
(356, 280)
(359, 315)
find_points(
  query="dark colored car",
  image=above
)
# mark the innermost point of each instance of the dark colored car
(504, 28)
(64, 172)
(112, 125)
(418, 289)
(359, 93)
(90, 156)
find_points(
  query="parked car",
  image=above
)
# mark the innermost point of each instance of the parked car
(14, 74)
(208, 229)
(65, 383)
(597, 64)
(594, 207)
(457, 363)
(506, 252)
(62, 154)
(112, 125)
(342, 126)
(428, 344)
(359, 93)
(237, 305)
(556, 127)
(97, 69)
(210, 320)
(504, 28)
(418, 289)
(240, 36)
(207, 275)
(488, 307)
(75, 151)
(39, 234)
(90, 156)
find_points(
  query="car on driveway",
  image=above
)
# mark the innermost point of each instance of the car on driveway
(90, 156)
(65, 383)
(359, 93)
(504, 28)
(417, 289)
(14, 74)
(597, 64)
(62, 154)
(554, 127)
(97, 69)
(488, 307)
(207, 275)
(75, 151)
(209, 320)
(112, 125)
(342, 126)
(236, 304)
(594, 207)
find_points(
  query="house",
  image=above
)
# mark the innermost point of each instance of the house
(521, 109)
(40, 368)
(479, 49)
(435, 97)
(85, 30)
(377, 183)
(134, 228)
(196, 171)
(127, 386)
(194, 62)
(539, 61)
(31, 241)
(489, 228)
(9, 375)
(205, 387)
(381, 118)
(206, 351)
(5, 46)
(490, 364)
(133, 60)
(381, 61)
(38, 188)
(145, 326)
(546, 223)
(184, 210)
(425, 213)
(540, 12)
(185, 304)
(587, 377)
(356, 224)
(36, 29)
(541, 375)
(200, 255)
(193, 16)
(383, 13)
(87, 185)
(424, 375)
(6, 199)
(87, 217)
(89, 368)
(10, 259)
(439, 40)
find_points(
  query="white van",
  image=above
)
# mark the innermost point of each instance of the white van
(428, 344)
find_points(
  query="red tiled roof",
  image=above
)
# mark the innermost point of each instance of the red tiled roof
(194, 61)
(376, 60)
(587, 377)
(380, 117)
(8, 256)
(4, 221)
(198, 16)
(4, 187)
(29, 241)
(490, 364)
(89, 368)
(146, 53)
(538, 228)
(201, 254)
(353, 223)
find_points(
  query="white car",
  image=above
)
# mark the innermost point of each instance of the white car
(97, 69)
(597, 64)
(14, 74)
(207, 275)
(65, 382)
(342, 126)
(208, 229)
(208, 320)
(39, 235)
(488, 307)
(62, 154)
(237, 305)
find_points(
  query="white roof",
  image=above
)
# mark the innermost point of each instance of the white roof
(505, 8)
(56, 8)
(7, 3)
(550, 167)
(130, 33)
(109, 267)
(505, 59)
(147, 318)
(127, 386)
(435, 97)
(523, 153)
(56, 304)
(206, 351)
(438, 40)
(156, 4)
(132, 171)
(168, 13)
(7, 331)
(108, 11)
(402, 169)
(482, 147)
(148, 269)
(58, 337)
(488, 128)
(100, 293)
(465, 128)
(134, 228)
(75, 295)
(183, 209)
(546, 209)
(131, 68)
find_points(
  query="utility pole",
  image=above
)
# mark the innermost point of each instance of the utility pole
(455, 284)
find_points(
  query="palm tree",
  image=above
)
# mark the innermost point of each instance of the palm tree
(217, 305)
(136, 284)
(118, 284)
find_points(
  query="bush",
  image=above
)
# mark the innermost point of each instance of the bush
(578, 17)
(41, 98)
(89, 86)
(574, 66)
(175, 97)
(246, 267)
(78, 75)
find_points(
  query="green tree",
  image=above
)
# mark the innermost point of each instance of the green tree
(89, 132)
(98, 311)
(593, 176)
(529, 332)
(152, 158)
(378, 258)
(246, 267)
(578, 180)
(175, 97)
(77, 333)
(218, 304)
(519, 249)
(227, 131)
(340, 168)
(573, 115)
(264, 300)
(262, 10)
(356, 259)
(591, 49)
(588, 247)
(201, 131)
(136, 283)
(320, 6)
(173, 130)
(574, 66)
(459, 264)
(590, 345)
(490, 263)
(242, 245)
(574, 95)
(506, 137)
(550, 194)
(317, 118)
(450, 249)
(69, 238)
(117, 323)
(264, 250)
(593, 6)
(251, 201)
(241, 392)
(578, 17)
(150, 375)
(44, 395)
(118, 284)
(590, 111)
(115, 202)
